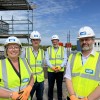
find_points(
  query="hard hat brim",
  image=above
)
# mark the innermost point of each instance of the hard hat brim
(85, 37)
(12, 43)
(54, 39)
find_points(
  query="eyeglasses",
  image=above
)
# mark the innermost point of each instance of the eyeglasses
(13, 47)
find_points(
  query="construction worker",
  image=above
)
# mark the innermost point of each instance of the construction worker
(35, 57)
(56, 59)
(16, 79)
(83, 69)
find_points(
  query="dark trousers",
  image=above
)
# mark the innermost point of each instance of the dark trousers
(68, 98)
(52, 76)
(38, 87)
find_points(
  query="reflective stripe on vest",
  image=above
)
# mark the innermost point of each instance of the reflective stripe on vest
(56, 58)
(33, 65)
(27, 67)
(36, 72)
(36, 64)
(85, 82)
(4, 70)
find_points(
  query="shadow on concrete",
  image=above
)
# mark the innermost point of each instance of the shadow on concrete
(45, 96)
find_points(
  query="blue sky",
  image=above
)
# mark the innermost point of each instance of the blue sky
(61, 16)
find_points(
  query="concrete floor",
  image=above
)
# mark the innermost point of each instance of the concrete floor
(45, 96)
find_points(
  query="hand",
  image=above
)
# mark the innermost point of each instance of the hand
(15, 95)
(53, 68)
(59, 68)
(25, 93)
(73, 97)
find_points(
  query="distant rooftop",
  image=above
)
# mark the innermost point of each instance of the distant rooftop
(14, 5)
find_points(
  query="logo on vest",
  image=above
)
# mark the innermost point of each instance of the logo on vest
(25, 80)
(39, 62)
(58, 56)
(89, 71)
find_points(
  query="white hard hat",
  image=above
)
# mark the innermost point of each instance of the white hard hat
(35, 35)
(12, 39)
(85, 32)
(55, 37)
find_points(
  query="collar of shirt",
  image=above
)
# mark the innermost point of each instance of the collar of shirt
(56, 48)
(35, 52)
(92, 53)
(84, 59)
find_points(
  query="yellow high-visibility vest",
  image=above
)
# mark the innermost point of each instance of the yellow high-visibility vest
(9, 79)
(36, 64)
(85, 78)
(56, 58)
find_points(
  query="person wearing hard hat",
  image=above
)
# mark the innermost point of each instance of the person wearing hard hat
(83, 69)
(56, 59)
(16, 79)
(35, 56)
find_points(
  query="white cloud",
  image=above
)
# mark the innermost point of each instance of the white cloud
(53, 6)
(48, 17)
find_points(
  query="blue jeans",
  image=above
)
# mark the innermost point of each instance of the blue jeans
(52, 77)
(38, 87)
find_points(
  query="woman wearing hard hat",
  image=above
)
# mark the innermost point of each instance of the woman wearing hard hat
(16, 79)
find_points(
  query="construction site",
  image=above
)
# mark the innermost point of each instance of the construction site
(22, 27)
(8, 28)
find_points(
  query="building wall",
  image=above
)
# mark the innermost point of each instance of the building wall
(97, 44)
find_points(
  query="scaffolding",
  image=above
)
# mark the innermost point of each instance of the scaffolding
(4, 27)
(8, 5)
(8, 27)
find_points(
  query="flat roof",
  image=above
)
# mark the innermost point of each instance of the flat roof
(15, 5)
